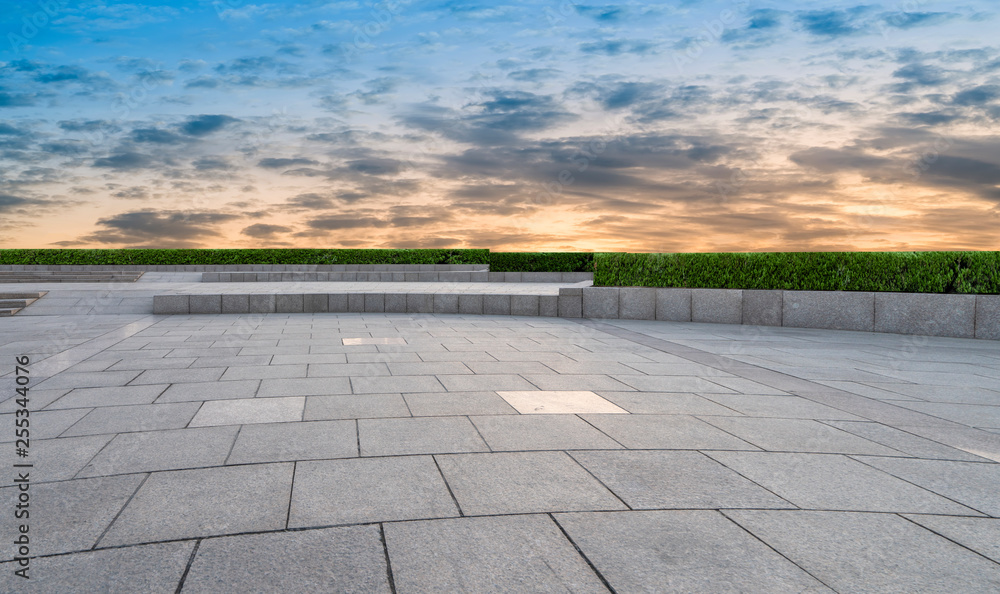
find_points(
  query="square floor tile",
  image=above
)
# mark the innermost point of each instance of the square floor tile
(204, 502)
(355, 406)
(163, 450)
(681, 551)
(559, 402)
(438, 404)
(249, 410)
(521, 554)
(147, 568)
(356, 490)
(979, 534)
(833, 482)
(541, 432)
(853, 552)
(797, 435)
(426, 435)
(976, 485)
(674, 432)
(530, 482)
(679, 480)
(281, 442)
(349, 559)
(141, 417)
(68, 515)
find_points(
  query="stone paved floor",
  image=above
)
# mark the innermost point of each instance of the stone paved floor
(433, 453)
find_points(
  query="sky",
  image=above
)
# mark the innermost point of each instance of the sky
(548, 125)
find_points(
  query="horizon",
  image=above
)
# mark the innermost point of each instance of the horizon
(729, 126)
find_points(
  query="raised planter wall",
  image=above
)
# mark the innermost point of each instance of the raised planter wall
(959, 316)
(928, 314)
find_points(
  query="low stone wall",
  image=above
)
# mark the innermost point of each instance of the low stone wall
(260, 267)
(398, 274)
(959, 316)
(444, 303)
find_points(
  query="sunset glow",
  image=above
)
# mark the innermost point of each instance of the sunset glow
(537, 125)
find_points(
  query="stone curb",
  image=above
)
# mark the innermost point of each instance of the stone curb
(957, 316)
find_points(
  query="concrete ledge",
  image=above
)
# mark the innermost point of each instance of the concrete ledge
(673, 305)
(762, 308)
(717, 306)
(171, 304)
(524, 305)
(959, 316)
(637, 303)
(496, 305)
(829, 310)
(601, 302)
(288, 303)
(988, 317)
(261, 303)
(206, 304)
(237, 304)
(395, 303)
(926, 314)
(445, 304)
(419, 303)
(337, 302)
(470, 304)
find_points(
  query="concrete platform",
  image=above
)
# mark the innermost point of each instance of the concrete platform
(453, 452)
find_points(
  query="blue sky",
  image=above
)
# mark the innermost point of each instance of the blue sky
(736, 125)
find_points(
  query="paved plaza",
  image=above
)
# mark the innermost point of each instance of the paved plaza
(450, 453)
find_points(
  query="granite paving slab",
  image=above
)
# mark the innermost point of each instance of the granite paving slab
(349, 559)
(521, 554)
(682, 551)
(180, 504)
(856, 552)
(523, 482)
(349, 491)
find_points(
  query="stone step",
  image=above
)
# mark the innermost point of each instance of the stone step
(29, 295)
(8, 311)
(19, 303)
(454, 276)
(52, 276)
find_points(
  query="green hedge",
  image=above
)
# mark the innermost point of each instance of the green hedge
(207, 257)
(907, 272)
(541, 262)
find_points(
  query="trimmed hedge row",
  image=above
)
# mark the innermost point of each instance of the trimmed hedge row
(904, 272)
(541, 262)
(149, 257)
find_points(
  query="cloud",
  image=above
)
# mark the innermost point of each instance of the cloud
(133, 193)
(206, 124)
(617, 47)
(156, 136)
(16, 99)
(264, 231)
(533, 74)
(159, 228)
(126, 161)
(336, 223)
(977, 95)
(837, 160)
(279, 163)
(375, 166)
(832, 23)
